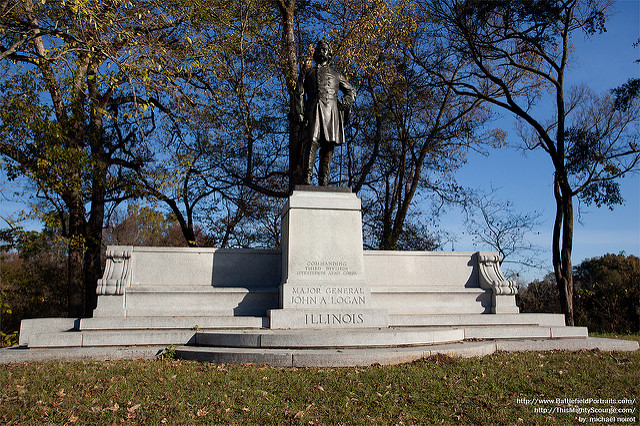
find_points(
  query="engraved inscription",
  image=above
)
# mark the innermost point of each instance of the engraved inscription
(330, 295)
(322, 318)
(326, 268)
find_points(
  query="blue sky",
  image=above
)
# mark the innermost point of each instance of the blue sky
(602, 62)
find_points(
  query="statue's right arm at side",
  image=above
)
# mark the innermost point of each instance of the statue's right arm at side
(298, 113)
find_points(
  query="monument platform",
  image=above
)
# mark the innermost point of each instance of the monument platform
(319, 300)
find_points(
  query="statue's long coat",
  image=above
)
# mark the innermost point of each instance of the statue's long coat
(317, 91)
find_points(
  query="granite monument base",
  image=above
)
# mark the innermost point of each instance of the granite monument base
(319, 300)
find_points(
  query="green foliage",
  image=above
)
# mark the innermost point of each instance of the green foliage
(33, 276)
(588, 151)
(29, 244)
(626, 93)
(11, 338)
(84, 86)
(8, 339)
(607, 294)
(539, 296)
(143, 226)
(439, 389)
(168, 353)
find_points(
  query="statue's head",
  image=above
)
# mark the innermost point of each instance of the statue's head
(323, 52)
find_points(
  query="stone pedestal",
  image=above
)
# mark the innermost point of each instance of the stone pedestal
(323, 280)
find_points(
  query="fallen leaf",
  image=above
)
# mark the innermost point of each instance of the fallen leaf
(115, 407)
(134, 408)
(72, 419)
(201, 412)
(61, 393)
(299, 415)
(95, 409)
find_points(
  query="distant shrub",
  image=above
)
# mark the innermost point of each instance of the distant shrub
(607, 294)
(539, 296)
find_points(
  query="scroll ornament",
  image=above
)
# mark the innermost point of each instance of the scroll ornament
(117, 273)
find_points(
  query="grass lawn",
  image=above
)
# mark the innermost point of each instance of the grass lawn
(634, 336)
(507, 388)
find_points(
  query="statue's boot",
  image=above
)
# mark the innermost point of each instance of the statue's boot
(310, 159)
(326, 152)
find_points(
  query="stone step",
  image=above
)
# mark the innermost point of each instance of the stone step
(588, 344)
(431, 300)
(77, 339)
(390, 356)
(314, 357)
(342, 338)
(456, 320)
(330, 357)
(21, 354)
(524, 332)
(149, 301)
(190, 323)
(266, 338)
(29, 327)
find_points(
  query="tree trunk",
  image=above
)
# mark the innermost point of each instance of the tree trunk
(93, 249)
(567, 247)
(290, 71)
(75, 289)
(385, 238)
(100, 164)
(562, 246)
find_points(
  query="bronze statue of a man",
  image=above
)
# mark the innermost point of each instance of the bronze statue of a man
(321, 112)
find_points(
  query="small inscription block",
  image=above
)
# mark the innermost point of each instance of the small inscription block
(327, 318)
(325, 295)
(326, 268)
(322, 238)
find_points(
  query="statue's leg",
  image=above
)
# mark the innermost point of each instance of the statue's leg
(326, 152)
(311, 149)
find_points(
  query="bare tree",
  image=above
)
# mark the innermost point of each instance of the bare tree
(515, 53)
(496, 223)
